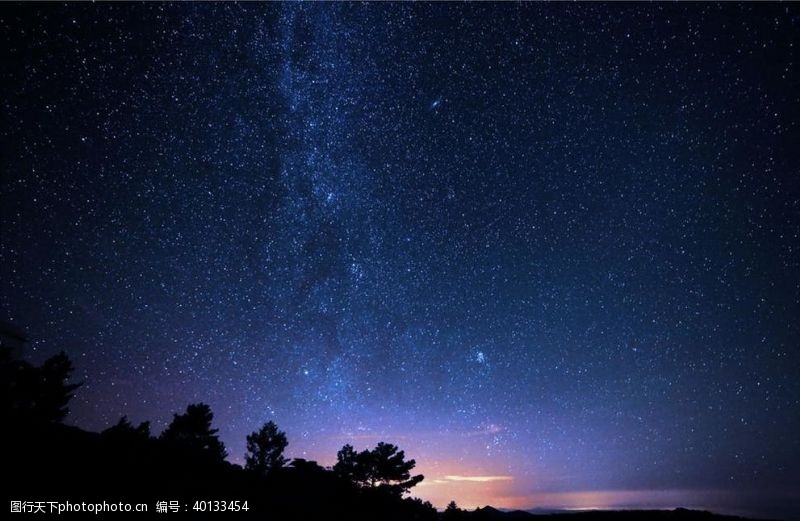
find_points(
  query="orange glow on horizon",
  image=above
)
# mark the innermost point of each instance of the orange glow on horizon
(472, 485)
(469, 487)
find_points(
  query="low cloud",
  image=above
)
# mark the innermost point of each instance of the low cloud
(479, 479)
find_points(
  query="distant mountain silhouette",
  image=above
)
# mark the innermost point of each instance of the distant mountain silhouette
(489, 513)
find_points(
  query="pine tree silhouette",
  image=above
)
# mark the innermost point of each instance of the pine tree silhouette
(192, 431)
(383, 467)
(265, 449)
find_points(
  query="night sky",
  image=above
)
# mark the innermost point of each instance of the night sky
(551, 251)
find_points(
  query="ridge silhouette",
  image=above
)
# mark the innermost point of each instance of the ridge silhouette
(186, 466)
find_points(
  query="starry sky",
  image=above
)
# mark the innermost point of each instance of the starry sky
(549, 250)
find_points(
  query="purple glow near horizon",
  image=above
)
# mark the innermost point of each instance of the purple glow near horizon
(549, 250)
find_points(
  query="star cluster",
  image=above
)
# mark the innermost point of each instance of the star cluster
(549, 250)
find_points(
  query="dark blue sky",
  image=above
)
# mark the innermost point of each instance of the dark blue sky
(549, 250)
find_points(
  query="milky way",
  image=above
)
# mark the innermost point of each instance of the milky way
(549, 250)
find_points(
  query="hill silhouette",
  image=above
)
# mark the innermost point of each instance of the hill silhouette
(184, 470)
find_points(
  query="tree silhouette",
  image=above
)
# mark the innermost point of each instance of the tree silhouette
(305, 466)
(383, 467)
(187, 458)
(452, 511)
(124, 430)
(55, 392)
(346, 465)
(265, 449)
(192, 431)
(35, 394)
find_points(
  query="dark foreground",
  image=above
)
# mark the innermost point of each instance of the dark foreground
(54, 470)
(58, 463)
